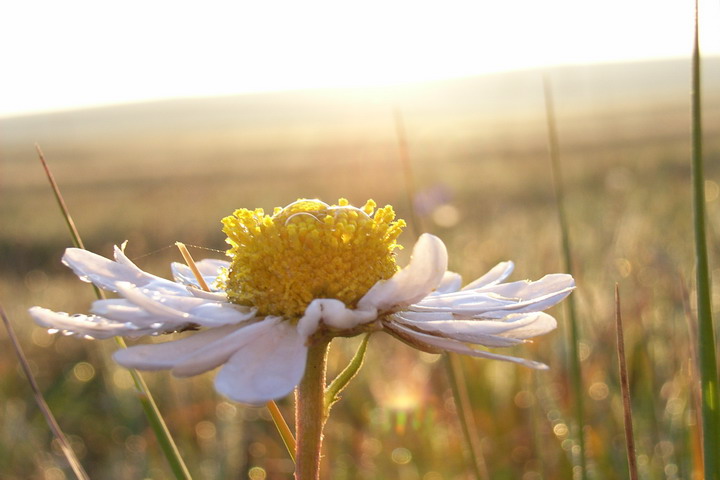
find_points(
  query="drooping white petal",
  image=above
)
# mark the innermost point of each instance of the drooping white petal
(525, 289)
(451, 345)
(216, 296)
(456, 330)
(202, 313)
(106, 274)
(496, 275)
(208, 268)
(120, 310)
(90, 326)
(500, 300)
(334, 314)
(492, 333)
(161, 356)
(270, 367)
(451, 282)
(420, 277)
(184, 309)
(218, 352)
(516, 325)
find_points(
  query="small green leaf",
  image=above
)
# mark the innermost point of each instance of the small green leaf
(332, 392)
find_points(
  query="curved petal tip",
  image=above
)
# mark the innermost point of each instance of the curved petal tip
(418, 279)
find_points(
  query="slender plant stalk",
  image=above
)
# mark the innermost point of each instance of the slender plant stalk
(280, 423)
(710, 394)
(693, 380)
(310, 413)
(42, 404)
(574, 335)
(453, 366)
(456, 377)
(625, 388)
(167, 445)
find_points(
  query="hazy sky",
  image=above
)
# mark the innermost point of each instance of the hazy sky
(71, 53)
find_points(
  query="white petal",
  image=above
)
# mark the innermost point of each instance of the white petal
(211, 314)
(500, 300)
(209, 269)
(496, 275)
(529, 325)
(203, 313)
(423, 274)
(458, 330)
(526, 289)
(83, 325)
(160, 356)
(217, 296)
(451, 282)
(268, 368)
(218, 352)
(182, 309)
(492, 333)
(459, 347)
(106, 274)
(332, 313)
(120, 310)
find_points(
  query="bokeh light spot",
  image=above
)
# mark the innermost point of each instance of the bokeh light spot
(257, 473)
(83, 371)
(401, 456)
(598, 391)
(205, 430)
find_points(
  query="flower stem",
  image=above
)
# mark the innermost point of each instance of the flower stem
(310, 413)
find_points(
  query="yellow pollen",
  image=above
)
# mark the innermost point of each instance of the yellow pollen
(308, 250)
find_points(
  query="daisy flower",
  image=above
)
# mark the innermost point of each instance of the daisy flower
(309, 271)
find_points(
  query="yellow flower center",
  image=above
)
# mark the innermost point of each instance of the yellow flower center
(308, 250)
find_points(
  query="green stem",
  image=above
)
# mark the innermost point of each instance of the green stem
(310, 413)
(456, 377)
(574, 331)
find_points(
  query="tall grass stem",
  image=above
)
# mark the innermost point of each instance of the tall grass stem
(157, 423)
(574, 334)
(710, 394)
(625, 389)
(453, 367)
(42, 404)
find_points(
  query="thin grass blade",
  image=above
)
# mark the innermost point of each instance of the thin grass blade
(574, 331)
(157, 423)
(710, 393)
(453, 367)
(625, 388)
(42, 404)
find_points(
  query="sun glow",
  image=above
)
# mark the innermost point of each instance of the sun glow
(82, 52)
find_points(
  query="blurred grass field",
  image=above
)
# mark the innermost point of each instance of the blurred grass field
(158, 173)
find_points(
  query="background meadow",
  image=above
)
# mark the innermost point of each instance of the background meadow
(156, 173)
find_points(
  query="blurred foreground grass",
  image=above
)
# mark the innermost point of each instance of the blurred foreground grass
(153, 174)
